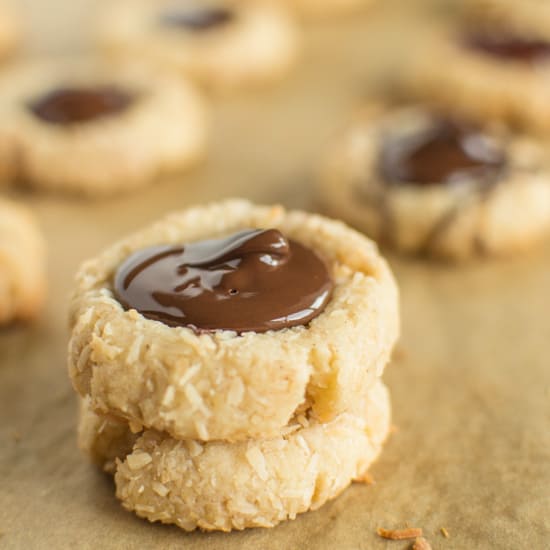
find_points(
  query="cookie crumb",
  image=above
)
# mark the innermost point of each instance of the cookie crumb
(421, 544)
(400, 534)
(445, 533)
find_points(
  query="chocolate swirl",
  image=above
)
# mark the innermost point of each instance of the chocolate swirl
(198, 19)
(252, 281)
(444, 152)
(66, 106)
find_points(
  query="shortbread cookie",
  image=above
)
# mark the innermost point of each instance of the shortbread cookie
(224, 44)
(10, 29)
(427, 183)
(97, 130)
(204, 382)
(326, 8)
(224, 486)
(495, 64)
(22, 269)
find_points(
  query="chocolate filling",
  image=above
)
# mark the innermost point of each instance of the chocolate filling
(252, 281)
(198, 19)
(444, 152)
(509, 47)
(67, 106)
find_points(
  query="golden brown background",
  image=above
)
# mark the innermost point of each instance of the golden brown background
(471, 386)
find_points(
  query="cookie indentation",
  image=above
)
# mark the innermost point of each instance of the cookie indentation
(67, 106)
(251, 281)
(444, 152)
(198, 19)
(509, 47)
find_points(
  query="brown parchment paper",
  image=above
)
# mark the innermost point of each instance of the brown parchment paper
(470, 385)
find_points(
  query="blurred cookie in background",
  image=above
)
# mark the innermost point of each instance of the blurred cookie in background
(83, 127)
(430, 182)
(492, 63)
(22, 264)
(10, 29)
(223, 44)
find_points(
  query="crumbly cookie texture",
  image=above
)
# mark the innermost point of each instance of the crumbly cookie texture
(162, 130)
(259, 45)
(326, 8)
(10, 29)
(224, 386)
(453, 222)
(225, 486)
(480, 85)
(22, 264)
(103, 438)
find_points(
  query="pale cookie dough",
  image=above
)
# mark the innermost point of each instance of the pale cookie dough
(10, 29)
(103, 438)
(162, 128)
(220, 385)
(451, 221)
(326, 8)
(443, 68)
(256, 43)
(22, 264)
(225, 486)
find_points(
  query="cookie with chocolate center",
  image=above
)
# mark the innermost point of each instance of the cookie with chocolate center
(220, 322)
(493, 63)
(222, 44)
(88, 128)
(428, 181)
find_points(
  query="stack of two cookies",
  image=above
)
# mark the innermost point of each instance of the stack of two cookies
(229, 361)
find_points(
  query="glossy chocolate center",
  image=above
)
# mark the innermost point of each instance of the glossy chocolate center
(509, 47)
(444, 152)
(199, 19)
(254, 280)
(77, 105)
